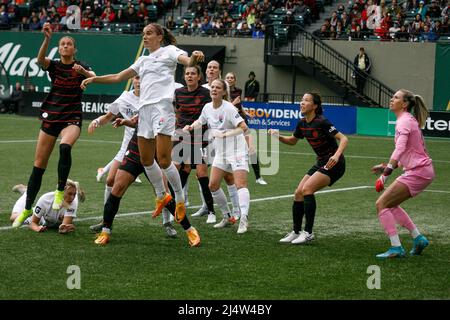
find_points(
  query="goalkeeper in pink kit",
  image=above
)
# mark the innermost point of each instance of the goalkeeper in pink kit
(410, 153)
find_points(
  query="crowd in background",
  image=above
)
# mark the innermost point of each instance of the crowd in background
(410, 20)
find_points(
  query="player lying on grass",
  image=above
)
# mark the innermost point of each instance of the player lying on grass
(44, 216)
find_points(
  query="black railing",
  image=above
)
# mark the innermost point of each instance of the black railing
(292, 40)
(287, 98)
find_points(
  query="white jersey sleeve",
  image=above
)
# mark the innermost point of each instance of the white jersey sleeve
(233, 116)
(175, 52)
(137, 65)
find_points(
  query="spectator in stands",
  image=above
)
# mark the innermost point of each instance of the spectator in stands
(245, 31)
(334, 19)
(24, 24)
(301, 9)
(86, 23)
(232, 31)
(170, 24)
(345, 20)
(195, 27)
(196, 7)
(143, 12)
(251, 90)
(422, 9)
(340, 31)
(185, 29)
(323, 33)
(108, 15)
(445, 25)
(446, 9)
(402, 34)
(131, 15)
(62, 9)
(4, 18)
(428, 35)
(394, 29)
(289, 23)
(434, 11)
(206, 27)
(362, 68)
(35, 24)
(120, 16)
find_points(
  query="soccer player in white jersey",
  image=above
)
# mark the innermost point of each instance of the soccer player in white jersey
(44, 216)
(126, 106)
(213, 72)
(156, 114)
(231, 156)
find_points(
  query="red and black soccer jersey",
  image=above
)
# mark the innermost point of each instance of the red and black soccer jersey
(63, 103)
(236, 92)
(132, 153)
(320, 135)
(189, 106)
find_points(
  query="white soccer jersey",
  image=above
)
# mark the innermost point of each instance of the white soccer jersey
(224, 118)
(53, 218)
(126, 105)
(157, 72)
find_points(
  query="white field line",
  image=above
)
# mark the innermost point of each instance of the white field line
(129, 214)
(261, 150)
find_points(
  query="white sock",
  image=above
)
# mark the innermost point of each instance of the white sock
(234, 197)
(415, 233)
(204, 206)
(174, 179)
(107, 192)
(244, 201)
(165, 215)
(107, 167)
(154, 174)
(221, 200)
(395, 241)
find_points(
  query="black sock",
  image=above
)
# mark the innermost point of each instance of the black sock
(34, 185)
(204, 183)
(171, 190)
(64, 164)
(298, 211)
(183, 177)
(310, 212)
(110, 210)
(171, 206)
(256, 168)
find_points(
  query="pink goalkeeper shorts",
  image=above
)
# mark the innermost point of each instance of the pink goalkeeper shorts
(417, 179)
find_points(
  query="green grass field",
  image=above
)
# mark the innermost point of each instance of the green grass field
(141, 262)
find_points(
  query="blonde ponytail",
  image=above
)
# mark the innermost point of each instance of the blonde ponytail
(416, 105)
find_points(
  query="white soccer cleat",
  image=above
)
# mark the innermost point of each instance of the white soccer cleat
(222, 224)
(290, 237)
(19, 188)
(304, 237)
(203, 211)
(100, 173)
(138, 180)
(243, 225)
(170, 230)
(261, 181)
(211, 218)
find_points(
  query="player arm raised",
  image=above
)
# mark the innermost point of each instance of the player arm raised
(194, 59)
(42, 60)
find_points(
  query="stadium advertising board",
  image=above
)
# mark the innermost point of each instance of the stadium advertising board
(437, 125)
(18, 52)
(283, 116)
(93, 105)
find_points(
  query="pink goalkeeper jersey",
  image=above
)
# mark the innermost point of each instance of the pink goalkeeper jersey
(409, 144)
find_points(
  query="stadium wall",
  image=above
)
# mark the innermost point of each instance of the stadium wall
(397, 64)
